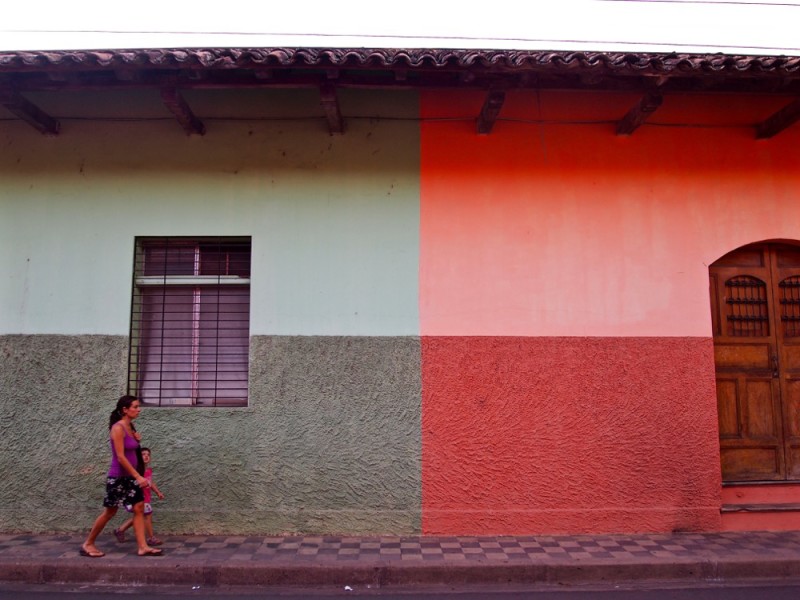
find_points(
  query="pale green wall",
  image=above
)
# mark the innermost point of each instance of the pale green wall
(334, 219)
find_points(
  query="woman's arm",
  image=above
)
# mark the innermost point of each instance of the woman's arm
(118, 441)
(136, 435)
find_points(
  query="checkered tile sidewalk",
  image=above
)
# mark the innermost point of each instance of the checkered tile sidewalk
(424, 550)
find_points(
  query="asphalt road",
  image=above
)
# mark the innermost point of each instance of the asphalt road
(780, 590)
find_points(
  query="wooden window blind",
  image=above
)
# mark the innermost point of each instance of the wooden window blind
(190, 322)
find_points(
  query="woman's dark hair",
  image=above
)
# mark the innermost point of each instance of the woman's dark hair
(122, 403)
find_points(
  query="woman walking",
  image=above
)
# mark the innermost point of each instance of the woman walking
(125, 483)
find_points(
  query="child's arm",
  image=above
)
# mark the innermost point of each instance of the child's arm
(154, 487)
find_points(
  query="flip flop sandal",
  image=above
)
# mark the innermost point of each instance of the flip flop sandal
(151, 552)
(92, 554)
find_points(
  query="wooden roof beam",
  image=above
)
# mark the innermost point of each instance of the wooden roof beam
(781, 120)
(61, 76)
(639, 113)
(490, 111)
(177, 106)
(330, 104)
(26, 110)
(128, 75)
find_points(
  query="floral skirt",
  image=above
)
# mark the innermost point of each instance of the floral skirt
(121, 491)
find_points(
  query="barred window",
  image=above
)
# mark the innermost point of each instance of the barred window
(747, 311)
(790, 306)
(190, 322)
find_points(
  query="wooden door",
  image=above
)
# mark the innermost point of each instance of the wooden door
(755, 298)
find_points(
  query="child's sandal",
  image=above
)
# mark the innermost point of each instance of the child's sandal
(154, 541)
(120, 535)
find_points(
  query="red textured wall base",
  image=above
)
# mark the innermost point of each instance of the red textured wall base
(568, 435)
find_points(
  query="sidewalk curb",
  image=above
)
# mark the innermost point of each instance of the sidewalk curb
(163, 571)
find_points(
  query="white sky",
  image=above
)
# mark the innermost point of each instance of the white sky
(736, 27)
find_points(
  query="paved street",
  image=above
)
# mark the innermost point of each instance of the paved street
(775, 590)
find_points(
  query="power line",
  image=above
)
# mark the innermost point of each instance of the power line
(711, 2)
(538, 41)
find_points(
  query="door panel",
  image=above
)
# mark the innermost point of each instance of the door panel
(791, 401)
(786, 271)
(728, 409)
(750, 430)
(755, 296)
(760, 415)
(754, 356)
(750, 463)
(791, 358)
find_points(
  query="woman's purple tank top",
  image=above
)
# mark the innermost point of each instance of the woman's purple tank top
(116, 470)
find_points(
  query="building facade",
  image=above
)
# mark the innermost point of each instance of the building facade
(445, 332)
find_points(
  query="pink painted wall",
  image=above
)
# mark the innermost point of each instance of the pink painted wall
(568, 370)
(513, 223)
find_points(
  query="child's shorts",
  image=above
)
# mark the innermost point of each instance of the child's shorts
(148, 508)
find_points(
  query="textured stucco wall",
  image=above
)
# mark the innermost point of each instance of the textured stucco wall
(568, 435)
(56, 393)
(339, 432)
(329, 443)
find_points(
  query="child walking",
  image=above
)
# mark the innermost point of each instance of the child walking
(148, 508)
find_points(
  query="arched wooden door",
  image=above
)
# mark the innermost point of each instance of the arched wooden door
(755, 300)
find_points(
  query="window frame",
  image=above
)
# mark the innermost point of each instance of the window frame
(202, 335)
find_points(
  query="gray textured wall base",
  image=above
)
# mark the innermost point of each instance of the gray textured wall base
(329, 444)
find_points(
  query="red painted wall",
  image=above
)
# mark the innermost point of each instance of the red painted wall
(568, 370)
(568, 435)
